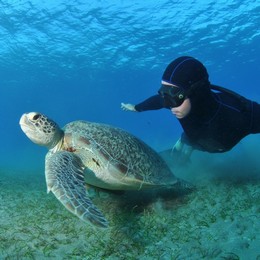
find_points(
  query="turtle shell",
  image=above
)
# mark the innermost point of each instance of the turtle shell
(115, 159)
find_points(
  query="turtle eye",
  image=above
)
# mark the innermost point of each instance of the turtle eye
(35, 117)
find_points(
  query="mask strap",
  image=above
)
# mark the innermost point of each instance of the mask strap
(201, 83)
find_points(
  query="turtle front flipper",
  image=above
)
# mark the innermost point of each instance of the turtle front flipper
(65, 178)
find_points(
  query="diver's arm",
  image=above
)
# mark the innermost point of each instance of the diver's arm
(153, 103)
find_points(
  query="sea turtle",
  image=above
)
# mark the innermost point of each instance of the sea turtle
(87, 153)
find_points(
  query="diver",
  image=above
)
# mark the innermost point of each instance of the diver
(214, 119)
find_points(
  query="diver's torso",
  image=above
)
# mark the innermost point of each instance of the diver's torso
(227, 125)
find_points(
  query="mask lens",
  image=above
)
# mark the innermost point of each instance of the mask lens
(172, 96)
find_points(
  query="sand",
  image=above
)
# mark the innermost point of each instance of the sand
(219, 220)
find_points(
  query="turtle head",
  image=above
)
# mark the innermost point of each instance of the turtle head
(41, 129)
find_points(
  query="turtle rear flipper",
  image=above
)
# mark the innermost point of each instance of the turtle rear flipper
(64, 177)
(186, 186)
(183, 186)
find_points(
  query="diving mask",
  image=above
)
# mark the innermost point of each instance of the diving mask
(173, 96)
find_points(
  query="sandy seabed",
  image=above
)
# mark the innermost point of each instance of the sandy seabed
(219, 220)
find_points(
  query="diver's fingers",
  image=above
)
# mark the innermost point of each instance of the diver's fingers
(127, 107)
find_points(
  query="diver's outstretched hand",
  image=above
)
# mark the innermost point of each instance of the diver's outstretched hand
(128, 107)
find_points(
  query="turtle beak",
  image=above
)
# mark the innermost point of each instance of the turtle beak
(25, 124)
(28, 128)
(23, 121)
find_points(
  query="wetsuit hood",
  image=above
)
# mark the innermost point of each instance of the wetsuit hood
(184, 72)
(191, 77)
(190, 80)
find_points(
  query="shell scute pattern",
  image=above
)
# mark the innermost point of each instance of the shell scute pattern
(127, 153)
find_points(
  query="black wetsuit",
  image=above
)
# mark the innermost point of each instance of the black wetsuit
(217, 121)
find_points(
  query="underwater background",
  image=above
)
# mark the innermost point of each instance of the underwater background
(80, 59)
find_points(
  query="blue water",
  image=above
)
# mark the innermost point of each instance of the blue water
(80, 59)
